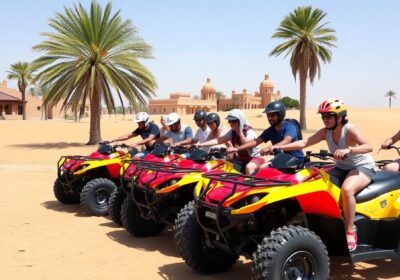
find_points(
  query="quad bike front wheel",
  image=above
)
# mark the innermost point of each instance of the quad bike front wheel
(289, 253)
(136, 225)
(95, 195)
(63, 195)
(191, 242)
(114, 205)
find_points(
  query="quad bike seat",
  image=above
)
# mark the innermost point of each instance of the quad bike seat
(384, 182)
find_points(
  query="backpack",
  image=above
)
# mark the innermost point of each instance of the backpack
(297, 126)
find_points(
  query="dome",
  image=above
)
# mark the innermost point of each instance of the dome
(267, 83)
(208, 86)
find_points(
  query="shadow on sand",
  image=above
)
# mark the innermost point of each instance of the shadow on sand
(65, 208)
(162, 243)
(340, 269)
(180, 271)
(54, 145)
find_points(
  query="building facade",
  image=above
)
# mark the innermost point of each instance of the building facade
(11, 106)
(183, 103)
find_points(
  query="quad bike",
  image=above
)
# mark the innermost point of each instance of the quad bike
(160, 190)
(286, 219)
(161, 153)
(90, 179)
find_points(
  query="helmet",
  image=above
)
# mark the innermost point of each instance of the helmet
(276, 107)
(333, 106)
(142, 117)
(172, 118)
(199, 115)
(213, 117)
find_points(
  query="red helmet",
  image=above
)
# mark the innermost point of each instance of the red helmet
(333, 106)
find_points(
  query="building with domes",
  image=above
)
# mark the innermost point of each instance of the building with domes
(183, 103)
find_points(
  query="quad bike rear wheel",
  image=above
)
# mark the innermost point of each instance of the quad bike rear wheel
(291, 252)
(190, 240)
(95, 195)
(64, 196)
(114, 205)
(136, 225)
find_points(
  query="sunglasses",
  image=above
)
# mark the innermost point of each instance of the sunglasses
(327, 116)
(233, 121)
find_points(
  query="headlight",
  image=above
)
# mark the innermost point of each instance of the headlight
(167, 184)
(247, 201)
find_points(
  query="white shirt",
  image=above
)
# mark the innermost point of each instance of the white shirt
(201, 136)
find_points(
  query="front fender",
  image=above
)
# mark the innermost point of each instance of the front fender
(112, 165)
(314, 197)
(185, 180)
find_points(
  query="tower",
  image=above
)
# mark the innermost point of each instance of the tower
(266, 91)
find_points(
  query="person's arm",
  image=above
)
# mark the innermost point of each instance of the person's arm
(356, 139)
(391, 140)
(245, 146)
(213, 142)
(301, 144)
(161, 139)
(124, 137)
(144, 141)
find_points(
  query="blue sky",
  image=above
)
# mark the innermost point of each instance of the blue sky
(230, 41)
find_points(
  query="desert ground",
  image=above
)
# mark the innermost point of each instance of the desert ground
(41, 238)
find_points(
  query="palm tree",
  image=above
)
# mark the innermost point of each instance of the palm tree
(43, 91)
(23, 72)
(88, 55)
(390, 94)
(308, 41)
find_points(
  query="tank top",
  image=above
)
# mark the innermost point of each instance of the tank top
(351, 160)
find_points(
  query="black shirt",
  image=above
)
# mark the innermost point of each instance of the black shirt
(145, 133)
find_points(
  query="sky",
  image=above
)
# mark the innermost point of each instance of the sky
(229, 41)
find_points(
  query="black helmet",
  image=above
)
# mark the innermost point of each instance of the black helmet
(200, 115)
(276, 107)
(213, 117)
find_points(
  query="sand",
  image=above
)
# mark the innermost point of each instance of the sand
(41, 238)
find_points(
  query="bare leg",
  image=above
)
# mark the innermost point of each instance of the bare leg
(394, 166)
(254, 165)
(354, 182)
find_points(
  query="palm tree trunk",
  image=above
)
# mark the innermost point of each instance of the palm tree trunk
(95, 136)
(23, 104)
(303, 89)
(390, 102)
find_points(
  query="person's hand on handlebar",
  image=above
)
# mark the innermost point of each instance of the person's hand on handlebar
(231, 150)
(341, 153)
(388, 142)
(267, 151)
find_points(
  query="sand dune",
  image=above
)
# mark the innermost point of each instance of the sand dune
(42, 239)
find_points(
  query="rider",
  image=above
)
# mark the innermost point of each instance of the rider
(394, 166)
(279, 133)
(164, 127)
(177, 133)
(354, 166)
(148, 130)
(214, 123)
(239, 134)
(202, 132)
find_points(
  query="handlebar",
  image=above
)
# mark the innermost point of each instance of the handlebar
(394, 147)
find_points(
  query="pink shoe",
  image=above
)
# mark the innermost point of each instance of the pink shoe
(351, 244)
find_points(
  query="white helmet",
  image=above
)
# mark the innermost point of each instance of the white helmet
(172, 118)
(142, 117)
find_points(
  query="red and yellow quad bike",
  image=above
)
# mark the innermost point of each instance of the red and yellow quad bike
(159, 191)
(287, 225)
(161, 153)
(90, 179)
